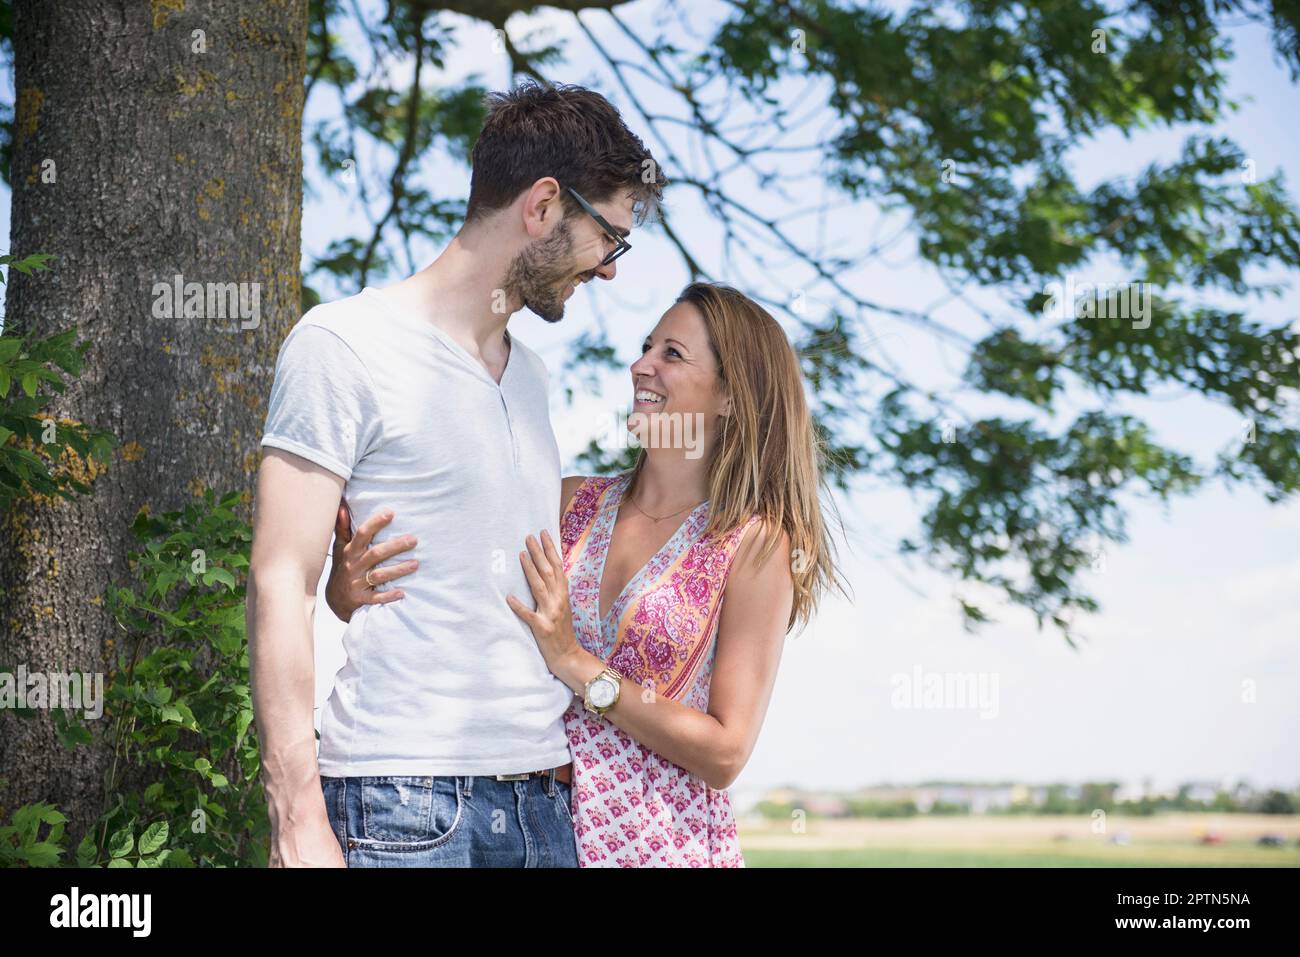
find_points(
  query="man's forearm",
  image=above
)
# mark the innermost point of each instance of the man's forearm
(283, 674)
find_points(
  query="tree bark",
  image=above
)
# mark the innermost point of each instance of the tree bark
(173, 133)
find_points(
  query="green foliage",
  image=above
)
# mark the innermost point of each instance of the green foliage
(125, 851)
(588, 356)
(178, 706)
(964, 117)
(596, 459)
(179, 700)
(1019, 508)
(409, 123)
(33, 444)
(21, 841)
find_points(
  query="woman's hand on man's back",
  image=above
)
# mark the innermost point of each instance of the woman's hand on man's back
(347, 588)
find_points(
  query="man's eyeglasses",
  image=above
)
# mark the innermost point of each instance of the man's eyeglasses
(621, 245)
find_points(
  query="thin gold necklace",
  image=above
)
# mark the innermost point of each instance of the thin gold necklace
(660, 519)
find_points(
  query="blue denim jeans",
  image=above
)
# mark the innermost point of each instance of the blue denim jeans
(446, 821)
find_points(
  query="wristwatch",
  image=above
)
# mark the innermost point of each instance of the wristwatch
(601, 692)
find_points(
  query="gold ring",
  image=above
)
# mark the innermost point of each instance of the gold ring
(368, 581)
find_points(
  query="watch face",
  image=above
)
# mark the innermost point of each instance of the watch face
(602, 692)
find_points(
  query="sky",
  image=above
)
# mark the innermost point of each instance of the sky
(1189, 671)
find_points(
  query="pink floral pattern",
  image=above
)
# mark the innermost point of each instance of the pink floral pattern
(631, 807)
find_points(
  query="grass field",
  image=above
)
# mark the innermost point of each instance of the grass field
(1168, 840)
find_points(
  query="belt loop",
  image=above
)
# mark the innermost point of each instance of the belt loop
(550, 783)
(469, 785)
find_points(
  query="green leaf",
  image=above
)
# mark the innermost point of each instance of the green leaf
(154, 837)
(86, 852)
(121, 843)
(187, 716)
(177, 857)
(73, 735)
(42, 855)
(221, 575)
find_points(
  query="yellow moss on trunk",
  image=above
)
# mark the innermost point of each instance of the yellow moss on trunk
(163, 9)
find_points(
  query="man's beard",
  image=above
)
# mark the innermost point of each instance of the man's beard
(542, 272)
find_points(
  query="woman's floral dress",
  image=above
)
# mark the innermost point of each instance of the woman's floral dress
(631, 807)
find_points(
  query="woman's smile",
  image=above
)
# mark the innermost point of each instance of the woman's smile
(647, 400)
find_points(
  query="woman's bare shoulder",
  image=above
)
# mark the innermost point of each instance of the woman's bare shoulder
(754, 545)
(568, 485)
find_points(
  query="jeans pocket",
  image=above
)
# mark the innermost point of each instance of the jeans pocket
(564, 797)
(409, 813)
(335, 812)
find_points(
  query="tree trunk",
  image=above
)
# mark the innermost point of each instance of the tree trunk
(152, 140)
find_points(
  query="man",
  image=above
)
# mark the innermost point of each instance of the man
(443, 741)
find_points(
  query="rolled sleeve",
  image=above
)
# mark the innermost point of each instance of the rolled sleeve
(323, 406)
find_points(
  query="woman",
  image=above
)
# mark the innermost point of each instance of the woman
(685, 616)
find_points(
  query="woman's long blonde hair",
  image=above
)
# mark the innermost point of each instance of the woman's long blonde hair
(767, 459)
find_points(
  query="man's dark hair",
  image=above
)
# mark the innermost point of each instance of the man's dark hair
(565, 131)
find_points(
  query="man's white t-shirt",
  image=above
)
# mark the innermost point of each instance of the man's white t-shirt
(447, 680)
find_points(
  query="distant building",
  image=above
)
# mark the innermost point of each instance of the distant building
(1130, 792)
(1203, 791)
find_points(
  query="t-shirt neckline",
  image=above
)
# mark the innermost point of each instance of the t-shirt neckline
(404, 314)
